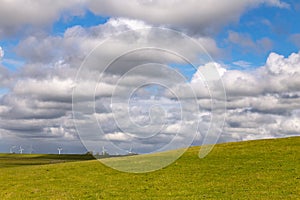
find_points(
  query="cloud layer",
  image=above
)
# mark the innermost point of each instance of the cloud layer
(36, 99)
(210, 14)
(15, 15)
(261, 103)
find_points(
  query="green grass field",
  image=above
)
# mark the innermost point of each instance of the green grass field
(264, 169)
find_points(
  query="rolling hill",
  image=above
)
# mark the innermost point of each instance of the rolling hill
(262, 169)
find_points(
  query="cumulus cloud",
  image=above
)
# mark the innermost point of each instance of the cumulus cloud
(280, 75)
(206, 16)
(257, 107)
(119, 136)
(261, 103)
(278, 65)
(53, 89)
(271, 95)
(39, 13)
(201, 16)
(77, 42)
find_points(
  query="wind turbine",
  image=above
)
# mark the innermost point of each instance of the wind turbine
(103, 151)
(59, 149)
(21, 150)
(31, 149)
(130, 150)
(11, 149)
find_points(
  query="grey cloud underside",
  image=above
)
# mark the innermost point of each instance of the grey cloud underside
(260, 104)
(248, 45)
(16, 15)
(261, 111)
(210, 14)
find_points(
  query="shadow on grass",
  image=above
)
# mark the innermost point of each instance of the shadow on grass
(14, 160)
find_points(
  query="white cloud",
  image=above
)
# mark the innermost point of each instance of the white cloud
(261, 103)
(77, 42)
(279, 65)
(242, 63)
(119, 136)
(190, 15)
(128, 23)
(198, 76)
(59, 132)
(241, 83)
(266, 97)
(1, 53)
(51, 89)
(265, 100)
(280, 75)
(16, 14)
(290, 126)
(203, 16)
(257, 107)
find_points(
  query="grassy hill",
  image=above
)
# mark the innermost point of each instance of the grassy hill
(264, 169)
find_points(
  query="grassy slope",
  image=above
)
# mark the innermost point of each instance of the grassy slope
(265, 169)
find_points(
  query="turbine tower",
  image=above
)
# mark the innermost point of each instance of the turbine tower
(21, 150)
(11, 149)
(31, 149)
(103, 151)
(130, 150)
(59, 149)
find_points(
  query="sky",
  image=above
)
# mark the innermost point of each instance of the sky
(184, 72)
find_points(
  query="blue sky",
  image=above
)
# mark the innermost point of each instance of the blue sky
(276, 24)
(270, 22)
(88, 19)
(254, 46)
